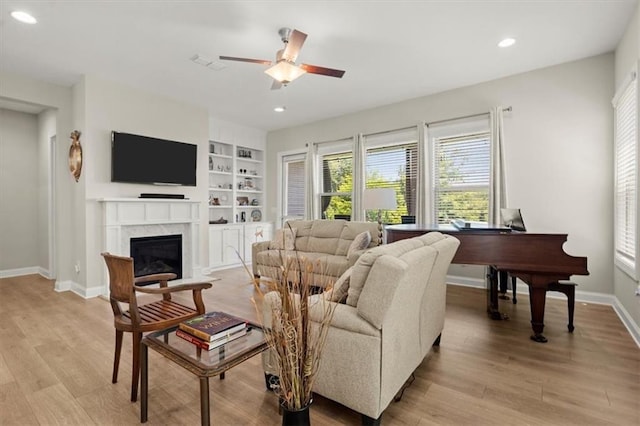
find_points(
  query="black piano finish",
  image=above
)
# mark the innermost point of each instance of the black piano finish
(537, 259)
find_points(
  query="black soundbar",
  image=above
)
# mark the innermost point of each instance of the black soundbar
(153, 195)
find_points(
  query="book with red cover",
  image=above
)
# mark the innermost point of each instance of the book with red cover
(210, 345)
(213, 325)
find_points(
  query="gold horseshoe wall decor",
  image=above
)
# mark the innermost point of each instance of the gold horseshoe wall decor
(75, 155)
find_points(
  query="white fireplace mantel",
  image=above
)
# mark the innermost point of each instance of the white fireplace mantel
(126, 218)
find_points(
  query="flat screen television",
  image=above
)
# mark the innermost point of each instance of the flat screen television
(142, 159)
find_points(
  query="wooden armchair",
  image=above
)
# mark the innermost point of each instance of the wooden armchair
(158, 315)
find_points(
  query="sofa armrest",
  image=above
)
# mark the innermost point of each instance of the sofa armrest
(344, 317)
(255, 249)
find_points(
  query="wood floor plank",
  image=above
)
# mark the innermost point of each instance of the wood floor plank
(56, 405)
(484, 373)
(14, 407)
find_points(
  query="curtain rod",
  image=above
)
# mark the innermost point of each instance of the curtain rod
(507, 109)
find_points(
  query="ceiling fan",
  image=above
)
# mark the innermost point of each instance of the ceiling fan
(285, 70)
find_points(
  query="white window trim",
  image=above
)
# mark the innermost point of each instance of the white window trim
(281, 187)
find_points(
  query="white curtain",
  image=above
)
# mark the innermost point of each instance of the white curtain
(497, 185)
(310, 199)
(358, 178)
(424, 198)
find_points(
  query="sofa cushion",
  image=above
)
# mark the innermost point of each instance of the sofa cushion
(325, 236)
(363, 266)
(280, 257)
(303, 231)
(360, 242)
(284, 239)
(350, 231)
(341, 287)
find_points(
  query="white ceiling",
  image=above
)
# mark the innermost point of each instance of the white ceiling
(391, 50)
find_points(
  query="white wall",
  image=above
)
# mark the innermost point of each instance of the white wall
(222, 130)
(23, 89)
(18, 190)
(96, 107)
(46, 130)
(108, 106)
(558, 149)
(626, 57)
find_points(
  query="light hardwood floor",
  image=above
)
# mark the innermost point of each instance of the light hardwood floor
(56, 354)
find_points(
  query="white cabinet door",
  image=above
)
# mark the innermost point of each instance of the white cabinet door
(255, 232)
(232, 244)
(215, 247)
(225, 242)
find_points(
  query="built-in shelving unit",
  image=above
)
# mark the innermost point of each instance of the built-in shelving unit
(236, 194)
(236, 183)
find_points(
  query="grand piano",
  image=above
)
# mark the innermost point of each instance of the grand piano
(537, 259)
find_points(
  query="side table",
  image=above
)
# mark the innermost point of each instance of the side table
(202, 363)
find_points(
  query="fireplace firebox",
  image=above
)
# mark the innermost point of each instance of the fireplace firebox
(156, 255)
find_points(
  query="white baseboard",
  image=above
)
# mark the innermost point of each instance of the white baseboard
(61, 286)
(627, 320)
(581, 296)
(208, 271)
(30, 270)
(85, 293)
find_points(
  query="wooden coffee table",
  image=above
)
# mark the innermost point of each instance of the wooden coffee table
(200, 362)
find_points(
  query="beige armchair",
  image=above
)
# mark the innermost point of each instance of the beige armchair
(393, 316)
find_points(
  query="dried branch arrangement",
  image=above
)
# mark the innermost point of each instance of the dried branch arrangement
(295, 340)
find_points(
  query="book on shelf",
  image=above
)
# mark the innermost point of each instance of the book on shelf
(213, 325)
(206, 345)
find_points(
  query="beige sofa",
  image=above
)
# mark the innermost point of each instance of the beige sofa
(393, 316)
(325, 243)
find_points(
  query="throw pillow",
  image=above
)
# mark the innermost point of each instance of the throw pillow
(360, 242)
(341, 287)
(284, 239)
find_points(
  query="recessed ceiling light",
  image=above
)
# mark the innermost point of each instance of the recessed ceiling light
(507, 42)
(279, 109)
(23, 17)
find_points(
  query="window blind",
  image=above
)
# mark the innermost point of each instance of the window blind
(294, 186)
(336, 178)
(461, 177)
(626, 179)
(391, 161)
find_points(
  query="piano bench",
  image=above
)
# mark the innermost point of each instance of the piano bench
(569, 289)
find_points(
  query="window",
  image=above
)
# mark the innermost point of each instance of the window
(391, 161)
(626, 178)
(461, 177)
(336, 178)
(293, 186)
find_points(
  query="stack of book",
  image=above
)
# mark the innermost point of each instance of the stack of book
(212, 329)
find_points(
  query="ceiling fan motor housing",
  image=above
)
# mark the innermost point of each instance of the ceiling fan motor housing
(284, 34)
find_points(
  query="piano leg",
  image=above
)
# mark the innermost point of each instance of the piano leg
(492, 295)
(537, 299)
(503, 279)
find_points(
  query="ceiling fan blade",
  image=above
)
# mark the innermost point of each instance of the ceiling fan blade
(314, 69)
(276, 85)
(296, 40)
(253, 61)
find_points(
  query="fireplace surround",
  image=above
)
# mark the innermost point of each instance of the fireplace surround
(127, 218)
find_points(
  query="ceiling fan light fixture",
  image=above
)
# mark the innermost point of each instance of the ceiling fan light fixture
(285, 72)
